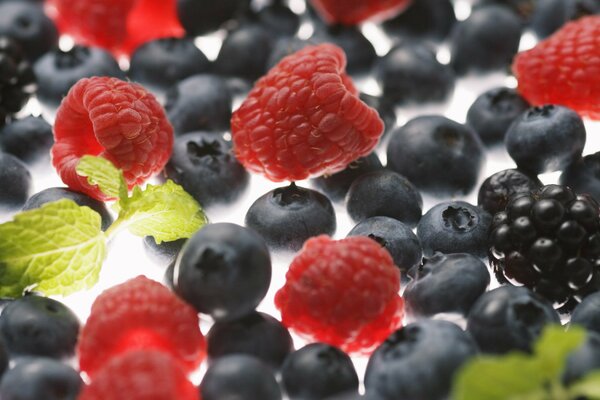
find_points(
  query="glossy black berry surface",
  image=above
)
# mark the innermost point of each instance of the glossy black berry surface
(317, 371)
(287, 216)
(583, 176)
(18, 80)
(204, 164)
(445, 283)
(202, 16)
(384, 194)
(509, 318)
(546, 139)
(497, 189)
(430, 19)
(15, 181)
(28, 139)
(224, 270)
(438, 155)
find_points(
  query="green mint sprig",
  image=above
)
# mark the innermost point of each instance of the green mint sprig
(59, 248)
(519, 376)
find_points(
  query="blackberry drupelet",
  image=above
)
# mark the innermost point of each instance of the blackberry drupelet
(549, 241)
(17, 80)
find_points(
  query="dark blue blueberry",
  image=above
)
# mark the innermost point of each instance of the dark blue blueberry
(285, 46)
(509, 318)
(385, 109)
(360, 53)
(419, 361)
(28, 139)
(455, 227)
(493, 111)
(446, 284)
(15, 181)
(437, 155)
(40, 378)
(549, 15)
(486, 41)
(583, 176)
(546, 139)
(411, 73)
(239, 377)
(317, 371)
(496, 190)
(354, 396)
(523, 8)
(384, 194)
(55, 194)
(161, 63)
(199, 17)
(34, 325)
(336, 186)
(163, 253)
(286, 217)
(397, 238)
(168, 277)
(256, 334)
(224, 270)
(245, 52)
(430, 19)
(204, 164)
(4, 358)
(57, 70)
(278, 19)
(582, 8)
(583, 360)
(587, 313)
(201, 102)
(27, 24)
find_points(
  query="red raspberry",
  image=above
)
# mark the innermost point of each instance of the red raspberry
(141, 375)
(140, 314)
(304, 118)
(117, 120)
(117, 25)
(344, 293)
(353, 12)
(564, 69)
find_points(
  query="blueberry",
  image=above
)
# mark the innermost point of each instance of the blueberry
(397, 238)
(55, 194)
(287, 216)
(161, 63)
(224, 270)
(431, 19)
(360, 53)
(587, 313)
(169, 275)
(27, 24)
(583, 360)
(418, 361)
(493, 111)
(278, 19)
(550, 15)
(200, 102)
(495, 191)
(455, 227)
(437, 155)
(4, 358)
(199, 17)
(28, 139)
(203, 163)
(546, 139)
(583, 176)
(239, 377)
(446, 284)
(285, 46)
(410, 73)
(354, 396)
(256, 334)
(337, 185)
(384, 194)
(385, 109)
(486, 41)
(523, 8)
(163, 253)
(509, 318)
(317, 371)
(581, 8)
(15, 181)
(40, 326)
(57, 70)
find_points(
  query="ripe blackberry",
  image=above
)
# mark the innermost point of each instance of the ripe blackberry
(17, 80)
(549, 241)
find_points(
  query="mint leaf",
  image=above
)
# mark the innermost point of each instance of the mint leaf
(555, 345)
(102, 173)
(588, 387)
(56, 249)
(166, 212)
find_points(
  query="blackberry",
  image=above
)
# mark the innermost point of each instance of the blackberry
(549, 241)
(17, 80)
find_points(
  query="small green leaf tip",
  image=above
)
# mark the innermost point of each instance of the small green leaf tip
(102, 173)
(56, 249)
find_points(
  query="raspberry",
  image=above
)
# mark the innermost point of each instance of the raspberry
(117, 120)
(117, 25)
(353, 12)
(304, 118)
(564, 69)
(141, 375)
(140, 314)
(343, 293)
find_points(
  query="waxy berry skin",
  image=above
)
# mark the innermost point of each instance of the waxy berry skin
(28, 139)
(16, 182)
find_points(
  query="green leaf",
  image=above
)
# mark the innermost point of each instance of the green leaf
(166, 212)
(555, 345)
(56, 249)
(102, 173)
(588, 386)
